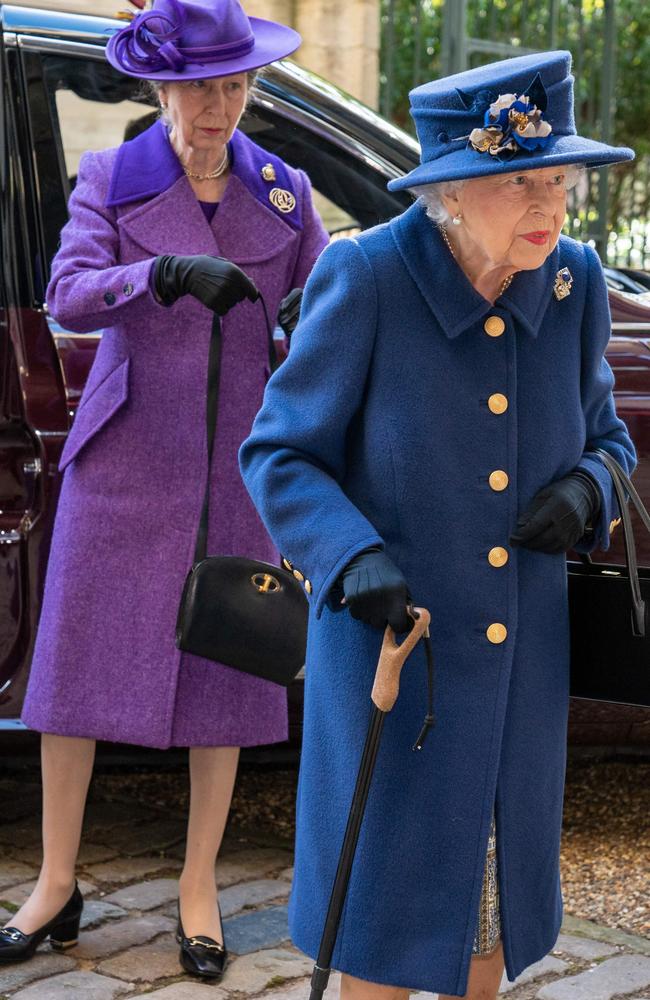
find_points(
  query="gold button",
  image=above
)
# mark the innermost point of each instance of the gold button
(497, 633)
(308, 586)
(498, 403)
(498, 556)
(498, 480)
(494, 326)
(298, 575)
(286, 564)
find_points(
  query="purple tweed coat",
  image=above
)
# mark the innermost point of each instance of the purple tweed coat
(105, 664)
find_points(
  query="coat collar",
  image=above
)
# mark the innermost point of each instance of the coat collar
(448, 292)
(147, 166)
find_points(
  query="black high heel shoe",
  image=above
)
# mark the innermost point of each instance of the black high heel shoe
(62, 930)
(202, 956)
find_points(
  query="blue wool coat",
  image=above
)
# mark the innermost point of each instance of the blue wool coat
(379, 429)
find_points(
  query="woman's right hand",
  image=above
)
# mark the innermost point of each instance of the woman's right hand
(376, 592)
(214, 281)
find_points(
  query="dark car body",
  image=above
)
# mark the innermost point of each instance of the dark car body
(58, 97)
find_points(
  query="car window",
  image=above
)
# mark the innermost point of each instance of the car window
(75, 104)
(82, 128)
(91, 106)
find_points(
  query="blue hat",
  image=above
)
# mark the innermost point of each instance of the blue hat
(505, 117)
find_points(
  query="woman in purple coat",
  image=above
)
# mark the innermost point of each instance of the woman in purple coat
(164, 230)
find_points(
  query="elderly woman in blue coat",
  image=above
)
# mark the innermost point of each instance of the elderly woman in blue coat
(433, 438)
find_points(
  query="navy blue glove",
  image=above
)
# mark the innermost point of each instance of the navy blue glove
(376, 592)
(558, 515)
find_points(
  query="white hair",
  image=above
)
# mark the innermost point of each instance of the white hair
(430, 195)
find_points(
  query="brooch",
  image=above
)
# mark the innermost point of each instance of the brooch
(282, 200)
(511, 123)
(268, 172)
(563, 282)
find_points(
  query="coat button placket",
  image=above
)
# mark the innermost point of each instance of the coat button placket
(498, 479)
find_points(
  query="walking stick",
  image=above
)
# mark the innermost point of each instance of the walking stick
(384, 695)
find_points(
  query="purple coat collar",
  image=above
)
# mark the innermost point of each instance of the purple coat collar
(147, 165)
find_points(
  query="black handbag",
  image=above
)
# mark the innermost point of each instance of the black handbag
(608, 606)
(247, 614)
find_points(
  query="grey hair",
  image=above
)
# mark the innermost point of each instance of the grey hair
(430, 195)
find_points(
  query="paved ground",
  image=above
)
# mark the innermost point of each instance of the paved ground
(128, 869)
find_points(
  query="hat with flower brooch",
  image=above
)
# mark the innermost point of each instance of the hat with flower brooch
(196, 39)
(505, 117)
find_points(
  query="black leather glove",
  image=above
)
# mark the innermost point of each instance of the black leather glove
(214, 281)
(289, 311)
(558, 515)
(376, 592)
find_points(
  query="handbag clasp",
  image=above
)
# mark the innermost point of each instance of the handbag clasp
(265, 583)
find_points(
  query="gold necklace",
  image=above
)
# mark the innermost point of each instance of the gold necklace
(211, 176)
(506, 281)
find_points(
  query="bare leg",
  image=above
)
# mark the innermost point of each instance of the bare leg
(485, 975)
(66, 764)
(359, 989)
(212, 779)
(484, 979)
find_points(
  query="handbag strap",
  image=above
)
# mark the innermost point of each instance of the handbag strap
(212, 407)
(623, 483)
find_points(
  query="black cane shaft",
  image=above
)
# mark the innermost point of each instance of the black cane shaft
(339, 890)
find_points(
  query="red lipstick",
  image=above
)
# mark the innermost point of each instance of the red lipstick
(538, 238)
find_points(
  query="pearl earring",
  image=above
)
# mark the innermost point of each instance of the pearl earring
(456, 219)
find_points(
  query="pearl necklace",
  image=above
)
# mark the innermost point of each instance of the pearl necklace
(211, 176)
(504, 284)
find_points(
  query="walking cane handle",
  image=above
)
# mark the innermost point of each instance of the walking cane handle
(392, 658)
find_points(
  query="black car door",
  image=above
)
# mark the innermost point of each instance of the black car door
(33, 415)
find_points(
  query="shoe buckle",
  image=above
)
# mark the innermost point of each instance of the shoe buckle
(204, 944)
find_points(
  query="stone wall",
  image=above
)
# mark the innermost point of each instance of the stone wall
(340, 37)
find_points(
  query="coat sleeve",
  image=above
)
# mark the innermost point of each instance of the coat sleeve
(603, 428)
(314, 236)
(294, 461)
(89, 289)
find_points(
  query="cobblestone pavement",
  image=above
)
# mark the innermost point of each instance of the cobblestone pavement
(128, 868)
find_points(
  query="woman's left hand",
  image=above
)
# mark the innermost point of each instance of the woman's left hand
(558, 515)
(289, 311)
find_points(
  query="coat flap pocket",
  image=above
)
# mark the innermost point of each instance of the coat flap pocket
(95, 410)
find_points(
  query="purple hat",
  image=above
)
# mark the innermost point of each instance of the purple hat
(197, 39)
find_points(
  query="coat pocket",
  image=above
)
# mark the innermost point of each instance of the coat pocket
(96, 410)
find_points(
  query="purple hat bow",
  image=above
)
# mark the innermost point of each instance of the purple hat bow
(148, 41)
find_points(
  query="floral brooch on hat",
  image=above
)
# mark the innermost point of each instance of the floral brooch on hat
(511, 122)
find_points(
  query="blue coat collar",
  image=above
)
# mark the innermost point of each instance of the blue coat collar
(448, 292)
(147, 165)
